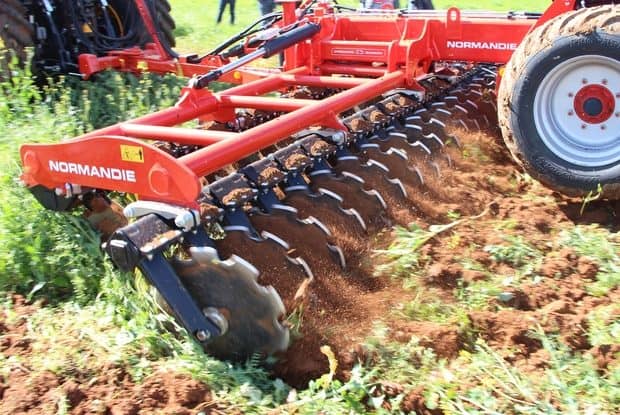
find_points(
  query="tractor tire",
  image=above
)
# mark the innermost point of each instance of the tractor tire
(559, 103)
(16, 33)
(160, 12)
(164, 21)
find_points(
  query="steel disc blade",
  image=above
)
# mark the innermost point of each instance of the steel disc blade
(252, 310)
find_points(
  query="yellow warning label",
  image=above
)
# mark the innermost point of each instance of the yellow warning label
(132, 153)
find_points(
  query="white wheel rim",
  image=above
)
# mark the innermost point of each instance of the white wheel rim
(562, 130)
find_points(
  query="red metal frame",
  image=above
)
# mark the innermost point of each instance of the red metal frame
(380, 51)
(153, 58)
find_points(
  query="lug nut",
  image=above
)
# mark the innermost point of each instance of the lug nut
(603, 127)
(570, 95)
(583, 126)
(571, 113)
(604, 81)
(584, 81)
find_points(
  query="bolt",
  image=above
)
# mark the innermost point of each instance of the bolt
(584, 81)
(583, 126)
(603, 127)
(617, 114)
(604, 81)
(571, 113)
(202, 335)
(618, 95)
(570, 95)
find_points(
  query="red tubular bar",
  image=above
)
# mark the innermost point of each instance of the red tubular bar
(263, 103)
(178, 114)
(218, 155)
(194, 103)
(362, 70)
(176, 134)
(323, 81)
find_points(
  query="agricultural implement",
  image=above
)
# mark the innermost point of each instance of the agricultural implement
(345, 136)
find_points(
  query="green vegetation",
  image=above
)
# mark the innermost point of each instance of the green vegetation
(516, 252)
(569, 384)
(602, 247)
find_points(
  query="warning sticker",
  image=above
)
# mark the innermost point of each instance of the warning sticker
(132, 153)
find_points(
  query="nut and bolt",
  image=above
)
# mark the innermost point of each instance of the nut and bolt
(202, 335)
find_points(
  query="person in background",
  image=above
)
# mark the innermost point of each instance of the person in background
(265, 6)
(231, 8)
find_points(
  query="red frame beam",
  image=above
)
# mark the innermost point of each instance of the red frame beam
(389, 50)
(216, 156)
(178, 135)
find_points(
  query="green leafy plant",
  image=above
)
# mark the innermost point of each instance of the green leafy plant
(516, 252)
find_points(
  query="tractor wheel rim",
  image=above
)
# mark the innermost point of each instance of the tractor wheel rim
(577, 110)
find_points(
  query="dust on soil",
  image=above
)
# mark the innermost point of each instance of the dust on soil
(337, 307)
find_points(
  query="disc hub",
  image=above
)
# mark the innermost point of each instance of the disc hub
(594, 104)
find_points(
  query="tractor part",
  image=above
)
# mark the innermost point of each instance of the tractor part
(164, 23)
(251, 312)
(272, 46)
(16, 33)
(103, 214)
(62, 31)
(559, 102)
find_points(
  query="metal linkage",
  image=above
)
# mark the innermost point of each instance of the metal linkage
(142, 244)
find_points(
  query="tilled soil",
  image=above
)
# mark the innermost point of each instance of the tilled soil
(111, 391)
(337, 308)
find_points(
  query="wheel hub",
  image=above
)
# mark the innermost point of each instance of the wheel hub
(594, 104)
(576, 110)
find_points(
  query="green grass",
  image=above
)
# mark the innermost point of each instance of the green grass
(569, 385)
(515, 252)
(602, 247)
